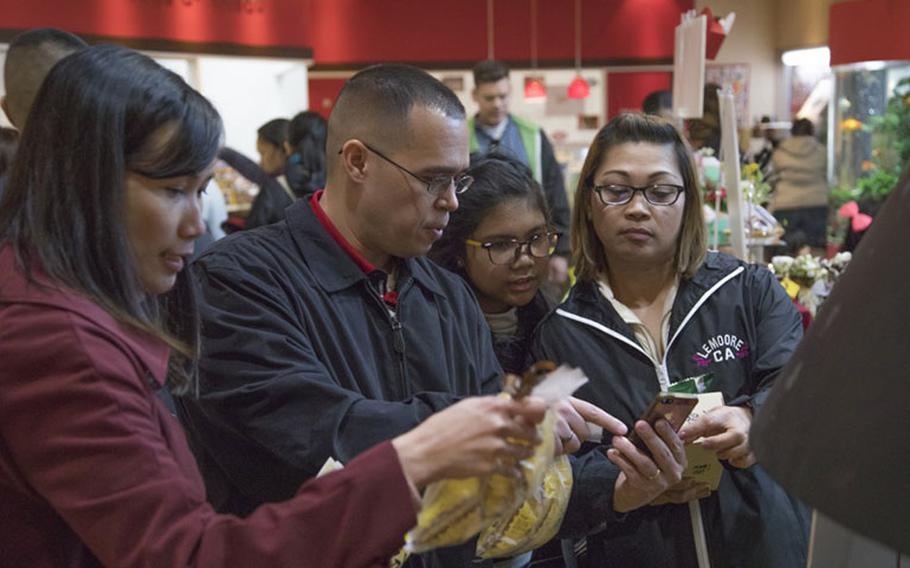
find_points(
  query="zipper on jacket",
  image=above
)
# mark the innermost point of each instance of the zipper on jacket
(660, 367)
(397, 340)
(398, 345)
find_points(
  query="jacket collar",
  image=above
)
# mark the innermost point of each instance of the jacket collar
(587, 301)
(332, 266)
(715, 267)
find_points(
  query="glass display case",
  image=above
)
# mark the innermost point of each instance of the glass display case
(871, 110)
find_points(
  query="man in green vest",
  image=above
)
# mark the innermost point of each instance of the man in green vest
(493, 128)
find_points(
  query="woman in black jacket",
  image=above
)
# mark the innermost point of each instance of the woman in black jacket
(499, 240)
(652, 307)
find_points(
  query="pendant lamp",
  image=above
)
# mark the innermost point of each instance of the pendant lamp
(534, 85)
(578, 88)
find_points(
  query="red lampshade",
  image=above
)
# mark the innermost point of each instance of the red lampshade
(579, 88)
(534, 89)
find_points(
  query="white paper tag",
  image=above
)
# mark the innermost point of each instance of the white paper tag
(559, 384)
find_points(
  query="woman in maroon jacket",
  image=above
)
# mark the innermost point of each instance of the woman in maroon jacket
(95, 318)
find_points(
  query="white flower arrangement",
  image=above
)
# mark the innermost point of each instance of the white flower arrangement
(814, 276)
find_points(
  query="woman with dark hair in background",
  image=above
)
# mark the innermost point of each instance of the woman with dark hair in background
(305, 147)
(500, 240)
(271, 140)
(274, 192)
(97, 316)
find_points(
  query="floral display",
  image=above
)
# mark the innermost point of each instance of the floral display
(809, 279)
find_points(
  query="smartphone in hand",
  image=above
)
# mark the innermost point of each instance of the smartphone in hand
(671, 406)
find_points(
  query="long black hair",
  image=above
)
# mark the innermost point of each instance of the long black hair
(101, 112)
(497, 178)
(305, 169)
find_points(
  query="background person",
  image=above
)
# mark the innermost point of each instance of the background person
(494, 128)
(273, 198)
(30, 57)
(659, 103)
(799, 172)
(652, 306)
(94, 470)
(305, 149)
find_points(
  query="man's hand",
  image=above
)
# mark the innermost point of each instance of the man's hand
(726, 431)
(572, 418)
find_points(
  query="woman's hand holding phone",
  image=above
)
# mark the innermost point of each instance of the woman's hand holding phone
(726, 431)
(643, 478)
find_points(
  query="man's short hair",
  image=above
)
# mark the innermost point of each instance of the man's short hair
(657, 100)
(380, 98)
(31, 56)
(490, 71)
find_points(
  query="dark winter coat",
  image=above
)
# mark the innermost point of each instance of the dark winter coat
(735, 321)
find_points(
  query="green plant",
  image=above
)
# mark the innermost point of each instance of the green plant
(878, 185)
(891, 130)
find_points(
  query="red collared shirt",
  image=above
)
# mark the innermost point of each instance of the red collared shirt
(377, 277)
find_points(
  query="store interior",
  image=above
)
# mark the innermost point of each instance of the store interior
(844, 65)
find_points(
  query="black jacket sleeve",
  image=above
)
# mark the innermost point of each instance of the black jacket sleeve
(594, 476)
(555, 189)
(270, 411)
(778, 330)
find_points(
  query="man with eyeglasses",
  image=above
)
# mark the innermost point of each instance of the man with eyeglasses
(328, 332)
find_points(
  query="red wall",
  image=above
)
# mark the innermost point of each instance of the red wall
(869, 30)
(243, 22)
(323, 92)
(358, 32)
(626, 91)
(368, 31)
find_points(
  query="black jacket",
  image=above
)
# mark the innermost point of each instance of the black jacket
(302, 361)
(735, 321)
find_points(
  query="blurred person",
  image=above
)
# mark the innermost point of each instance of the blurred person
(273, 198)
(214, 216)
(494, 128)
(652, 307)
(97, 321)
(30, 57)
(329, 332)
(659, 103)
(9, 141)
(305, 148)
(799, 174)
(271, 143)
(704, 132)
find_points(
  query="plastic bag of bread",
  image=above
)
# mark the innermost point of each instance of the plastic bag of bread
(511, 515)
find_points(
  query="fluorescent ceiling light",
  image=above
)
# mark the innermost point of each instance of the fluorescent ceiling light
(814, 57)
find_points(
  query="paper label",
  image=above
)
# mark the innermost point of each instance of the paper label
(791, 287)
(703, 464)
